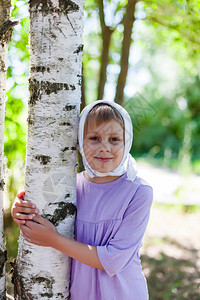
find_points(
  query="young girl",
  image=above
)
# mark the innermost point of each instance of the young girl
(113, 207)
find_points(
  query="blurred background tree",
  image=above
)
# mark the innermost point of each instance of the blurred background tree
(158, 62)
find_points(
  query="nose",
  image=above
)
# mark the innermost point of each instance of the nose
(104, 146)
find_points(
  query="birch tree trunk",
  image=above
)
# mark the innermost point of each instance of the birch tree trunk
(5, 34)
(56, 28)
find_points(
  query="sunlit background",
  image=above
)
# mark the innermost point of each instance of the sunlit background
(162, 96)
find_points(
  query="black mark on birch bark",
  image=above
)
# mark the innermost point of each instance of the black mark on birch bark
(2, 183)
(44, 159)
(60, 30)
(26, 251)
(34, 89)
(2, 65)
(68, 148)
(65, 124)
(60, 213)
(69, 107)
(65, 149)
(70, 23)
(79, 49)
(53, 87)
(37, 88)
(72, 86)
(6, 31)
(30, 120)
(3, 258)
(47, 285)
(60, 296)
(46, 6)
(80, 78)
(20, 291)
(67, 6)
(41, 69)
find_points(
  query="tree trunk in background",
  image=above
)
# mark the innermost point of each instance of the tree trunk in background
(128, 25)
(5, 35)
(106, 38)
(106, 35)
(51, 165)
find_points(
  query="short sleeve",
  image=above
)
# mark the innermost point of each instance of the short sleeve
(127, 240)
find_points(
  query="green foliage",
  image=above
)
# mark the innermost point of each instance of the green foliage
(16, 104)
(15, 135)
(176, 23)
(166, 110)
(167, 127)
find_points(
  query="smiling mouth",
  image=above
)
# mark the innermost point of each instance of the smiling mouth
(103, 159)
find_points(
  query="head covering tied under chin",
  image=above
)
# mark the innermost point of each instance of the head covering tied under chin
(128, 163)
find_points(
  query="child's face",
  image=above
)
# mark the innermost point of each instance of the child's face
(104, 145)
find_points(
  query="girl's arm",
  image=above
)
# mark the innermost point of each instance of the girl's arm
(44, 233)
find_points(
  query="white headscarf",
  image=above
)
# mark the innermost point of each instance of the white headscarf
(128, 163)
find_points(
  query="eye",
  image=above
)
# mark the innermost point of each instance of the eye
(94, 138)
(115, 139)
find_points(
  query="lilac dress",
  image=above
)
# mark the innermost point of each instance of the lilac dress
(112, 216)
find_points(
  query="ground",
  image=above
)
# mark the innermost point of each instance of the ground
(171, 251)
(171, 255)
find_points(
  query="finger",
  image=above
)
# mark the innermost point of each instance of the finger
(40, 220)
(26, 210)
(23, 203)
(25, 229)
(22, 216)
(18, 208)
(27, 238)
(18, 202)
(21, 195)
(19, 222)
(32, 225)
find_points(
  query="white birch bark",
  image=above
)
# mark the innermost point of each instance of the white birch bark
(5, 34)
(51, 164)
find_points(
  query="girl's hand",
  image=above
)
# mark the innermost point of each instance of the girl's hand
(23, 210)
(42, 232)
